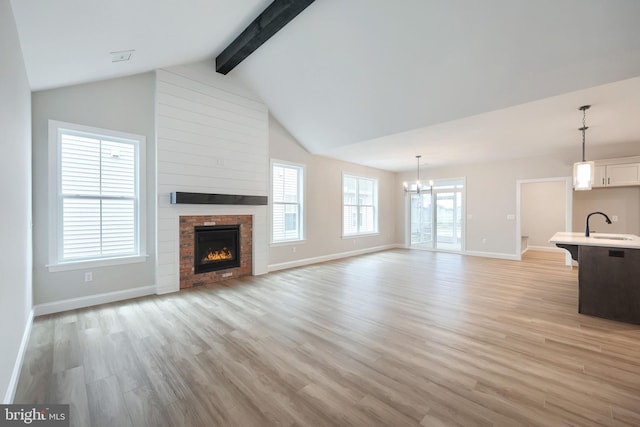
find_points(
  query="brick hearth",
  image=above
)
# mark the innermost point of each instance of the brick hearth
(187, 230)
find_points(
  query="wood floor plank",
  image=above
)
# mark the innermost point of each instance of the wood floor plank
(335, 404)
(402, 337)
(282, 407)
(188, 413)
(384, 414)
(147, 351)
(106, 403)
(124, 362)
(145, 408)
(96, 355)
(67, 348)
(35, 375)
(69, 387)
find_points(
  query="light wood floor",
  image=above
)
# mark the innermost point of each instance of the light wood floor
(394, 338)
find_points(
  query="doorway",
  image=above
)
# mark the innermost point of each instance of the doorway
(543, 208)
(436, 217)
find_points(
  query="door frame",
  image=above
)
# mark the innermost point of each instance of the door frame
(463, 221)
(568, 210)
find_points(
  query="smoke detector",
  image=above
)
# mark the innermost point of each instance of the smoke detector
(121, 55)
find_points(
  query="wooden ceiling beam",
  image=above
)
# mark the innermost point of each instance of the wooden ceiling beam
(270, 21)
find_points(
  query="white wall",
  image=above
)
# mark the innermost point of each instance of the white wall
(323, 205)
(126, 105)
(542, 211)
(212, 138)
(15, 214)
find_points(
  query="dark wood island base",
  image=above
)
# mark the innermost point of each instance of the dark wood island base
(609, 283)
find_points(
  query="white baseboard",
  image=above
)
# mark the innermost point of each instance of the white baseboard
(545, 248)
(331, 257)
(493, 255)
(160, 290)
(88, 301)
(17, 366)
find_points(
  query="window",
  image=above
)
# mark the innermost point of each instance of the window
(287, 219)
(96, 174)
(359, 205)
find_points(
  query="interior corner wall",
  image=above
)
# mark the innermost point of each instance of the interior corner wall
(15, 215)
(323, 205)
(212, 138)
(123, 104)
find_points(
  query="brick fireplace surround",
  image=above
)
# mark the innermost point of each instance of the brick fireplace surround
(187, 230)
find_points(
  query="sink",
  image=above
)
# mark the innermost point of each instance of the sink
(612, 237)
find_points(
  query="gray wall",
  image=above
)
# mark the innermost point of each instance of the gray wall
(15, 214)
(542, 211)
(624, 202)
(323, 203)
(126, 105)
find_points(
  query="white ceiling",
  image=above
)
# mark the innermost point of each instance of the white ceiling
(377, 81)
(67, 42)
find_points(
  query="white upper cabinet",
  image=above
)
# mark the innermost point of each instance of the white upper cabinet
(617, 172)
(600, 179)
(623, 174)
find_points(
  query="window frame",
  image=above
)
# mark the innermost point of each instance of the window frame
(56, 263)
(358, 206)
(301, 168)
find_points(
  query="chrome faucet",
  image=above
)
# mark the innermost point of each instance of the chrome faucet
(606, 218)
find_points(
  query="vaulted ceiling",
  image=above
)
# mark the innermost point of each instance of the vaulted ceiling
(377, 81)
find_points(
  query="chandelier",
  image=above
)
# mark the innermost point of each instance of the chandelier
(418, 185)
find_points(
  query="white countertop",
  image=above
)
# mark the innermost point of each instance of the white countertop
(597, 239)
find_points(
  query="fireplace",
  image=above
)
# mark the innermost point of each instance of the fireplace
(192, 251)
(217, 247)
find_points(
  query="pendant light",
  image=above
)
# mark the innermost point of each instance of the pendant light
(583, 172)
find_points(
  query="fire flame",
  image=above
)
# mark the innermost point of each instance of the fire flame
(220, 255)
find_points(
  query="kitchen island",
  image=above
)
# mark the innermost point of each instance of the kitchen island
(608, 273)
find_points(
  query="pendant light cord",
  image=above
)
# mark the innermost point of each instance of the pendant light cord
(584, 131)
(584, 127)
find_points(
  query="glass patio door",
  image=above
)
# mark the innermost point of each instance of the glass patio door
(448, 220)
(436, 217)
(421, 220)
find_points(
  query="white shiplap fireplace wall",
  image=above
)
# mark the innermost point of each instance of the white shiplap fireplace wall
(213, 137)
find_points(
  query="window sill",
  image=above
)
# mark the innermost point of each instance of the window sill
(287, 243)
(355, 236)
(105, 262)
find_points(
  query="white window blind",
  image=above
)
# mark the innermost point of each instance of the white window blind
(287, 205)
(359, 205)
(98, 196)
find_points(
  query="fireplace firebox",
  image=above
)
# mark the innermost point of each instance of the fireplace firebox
(217, 247)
